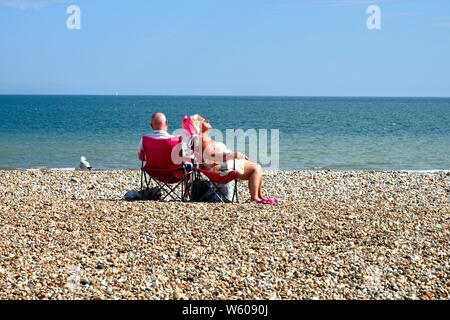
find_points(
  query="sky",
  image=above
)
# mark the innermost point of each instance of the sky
(226, 47)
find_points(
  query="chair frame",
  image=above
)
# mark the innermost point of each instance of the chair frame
(147, 178)
(198, 175)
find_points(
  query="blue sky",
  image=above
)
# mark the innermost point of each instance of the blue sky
(232, 47)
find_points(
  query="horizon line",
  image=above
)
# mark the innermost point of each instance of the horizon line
(216, 95)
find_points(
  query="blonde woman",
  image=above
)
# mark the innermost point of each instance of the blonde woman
(215, 156)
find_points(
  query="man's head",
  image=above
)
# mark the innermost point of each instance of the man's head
(159, 122)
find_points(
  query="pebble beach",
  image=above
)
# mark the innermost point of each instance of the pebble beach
(336, 235)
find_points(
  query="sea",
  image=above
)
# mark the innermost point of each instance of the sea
(314, 133)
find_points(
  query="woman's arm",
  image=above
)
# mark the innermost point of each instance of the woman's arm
(239, 156)
(225, 154)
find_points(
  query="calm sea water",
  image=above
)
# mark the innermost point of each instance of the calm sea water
(315, 133)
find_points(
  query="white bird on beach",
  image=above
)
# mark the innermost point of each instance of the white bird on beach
(84, 165)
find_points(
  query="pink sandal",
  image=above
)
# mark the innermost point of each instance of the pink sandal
(274, 200)
(271, 201)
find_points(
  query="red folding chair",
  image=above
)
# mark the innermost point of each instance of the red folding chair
(157, 156)
(216, 180)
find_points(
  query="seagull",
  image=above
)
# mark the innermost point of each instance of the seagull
(84, 165)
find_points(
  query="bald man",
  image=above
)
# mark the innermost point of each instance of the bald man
(160, 125)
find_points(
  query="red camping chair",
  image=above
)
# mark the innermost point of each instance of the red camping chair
(216, 180)
(158, 165)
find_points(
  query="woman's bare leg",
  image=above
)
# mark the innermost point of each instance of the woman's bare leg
(260, 183)
(253, 173)
(260, 193)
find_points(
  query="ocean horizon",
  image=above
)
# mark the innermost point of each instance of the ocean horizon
(216, 96)
(315, 133)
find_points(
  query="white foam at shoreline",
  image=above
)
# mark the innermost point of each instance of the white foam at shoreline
(51, 169)
(267, 171)
(270, 172)
(426, 171)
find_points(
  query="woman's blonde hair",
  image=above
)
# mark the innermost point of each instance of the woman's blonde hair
(197, 120)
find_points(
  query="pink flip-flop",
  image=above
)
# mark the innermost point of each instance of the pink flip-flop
(274, 200)
(266, 201)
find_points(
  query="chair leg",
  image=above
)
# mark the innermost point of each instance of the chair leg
(147, 183)
(187, 188)
(142, 183)
(161, 187)
(172, 190)
(169, 193)
(182, 191)
(216, 189)
(192, 188)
